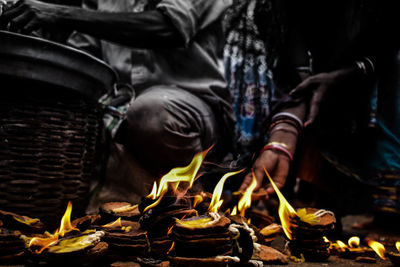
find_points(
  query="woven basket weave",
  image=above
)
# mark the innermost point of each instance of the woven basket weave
(50, 125)
(47, 155)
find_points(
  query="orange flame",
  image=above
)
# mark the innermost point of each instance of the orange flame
(378, 248)
(153, 194)
(216, 200)
(286, 211)
(398, 246)
(176, 176)
(197, 200)
(234, 211)
(170, 229)
(354, 241)
(65, 227)
(342, 246)
(171, 248)
(245, 201)
(116, 223)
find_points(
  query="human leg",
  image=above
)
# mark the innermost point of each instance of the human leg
(166, 126)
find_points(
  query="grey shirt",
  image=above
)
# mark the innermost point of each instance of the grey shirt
(193, 67)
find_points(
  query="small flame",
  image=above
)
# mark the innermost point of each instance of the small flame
(176, 176)
(170, 229)
(378, 248)
(65, 227)
(286, 211)
(116, 223)
(326, 240)
(197, 200)
(398, 246)
(342, 246)
(354, 241)
(153, 194)
(171, 248)
(245, 201)
(234, 211)
(216, 200)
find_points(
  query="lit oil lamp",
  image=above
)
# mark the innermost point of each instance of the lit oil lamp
(305, 228)
(394, 257)
(67, 243)
(353, 250)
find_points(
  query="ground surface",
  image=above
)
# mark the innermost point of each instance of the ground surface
(333, 261)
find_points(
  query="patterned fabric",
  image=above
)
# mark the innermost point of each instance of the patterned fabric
(248, 76)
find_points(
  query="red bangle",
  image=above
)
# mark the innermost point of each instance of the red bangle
(282, 149)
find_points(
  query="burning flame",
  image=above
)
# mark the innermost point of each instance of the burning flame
(197, 200)
(378, 248)
(354, 241)
(177, 175)
(234, 211)
(216, 200)
(65, 227)
(286, 211)
(116, 223)
(171, 248)
(342, 246)
(153, 194)
(326, 240)
(245, 201)
(398, 246)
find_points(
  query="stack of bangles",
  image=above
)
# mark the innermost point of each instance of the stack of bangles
(279, 122)
(278, 147)
(365, 66)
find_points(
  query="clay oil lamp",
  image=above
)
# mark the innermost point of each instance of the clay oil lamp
(67, 244)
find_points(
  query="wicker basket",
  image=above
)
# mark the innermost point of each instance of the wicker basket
(49, 137)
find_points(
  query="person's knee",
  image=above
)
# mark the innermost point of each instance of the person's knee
(147, 115)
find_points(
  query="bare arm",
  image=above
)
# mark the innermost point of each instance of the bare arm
(150, 29)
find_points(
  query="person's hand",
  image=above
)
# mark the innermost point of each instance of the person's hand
(318, 86)
(28, 15)
(276, 163)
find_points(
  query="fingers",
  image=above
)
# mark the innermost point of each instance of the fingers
(12, 12)
(249, 179)
(20, 21)
(267, 160)
(246, 182)
(259, 174)
(303, 87)
(315, 103)
(280, 174)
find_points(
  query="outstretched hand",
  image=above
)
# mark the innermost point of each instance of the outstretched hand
(277, 165)
(318, 86)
